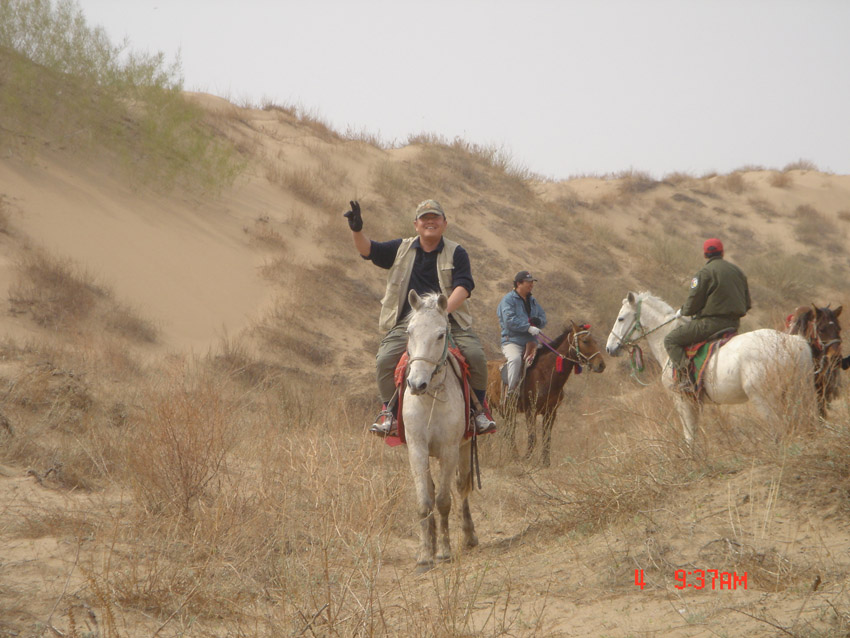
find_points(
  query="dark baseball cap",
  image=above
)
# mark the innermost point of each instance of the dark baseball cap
(523, 275)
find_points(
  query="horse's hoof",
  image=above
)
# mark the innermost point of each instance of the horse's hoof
(471, 542)
(422, 568)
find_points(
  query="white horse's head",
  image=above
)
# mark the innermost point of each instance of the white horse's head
(427, 339)
(640, 314)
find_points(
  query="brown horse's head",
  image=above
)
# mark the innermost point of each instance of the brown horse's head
(587, 350)
(820, 327)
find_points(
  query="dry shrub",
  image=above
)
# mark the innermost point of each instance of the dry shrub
(781, 180)
(126, 322)
(816, 229)
(263, 233)
(635, 182)
(734, 183)
(681, 197)
(763, 207)
(4, 216)
(182, 440)
(678, 179)
(786, 281)
(390, 181)
(53, 291)
(800, 165)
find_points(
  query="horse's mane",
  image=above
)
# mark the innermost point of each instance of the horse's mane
(555, 343)
(429, 300)
(655, 300)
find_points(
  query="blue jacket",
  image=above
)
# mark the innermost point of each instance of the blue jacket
(515, 321)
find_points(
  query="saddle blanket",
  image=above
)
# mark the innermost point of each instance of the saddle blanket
(400, 378)
(699, 354)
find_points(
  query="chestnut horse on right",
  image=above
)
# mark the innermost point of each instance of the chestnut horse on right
(542, 389)
(820, 328)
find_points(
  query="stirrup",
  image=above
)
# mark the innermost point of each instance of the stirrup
(483, 423)
(385, 424)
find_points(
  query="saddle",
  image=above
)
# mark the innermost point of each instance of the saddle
(698, 355)
(529, 356)
(460, 367)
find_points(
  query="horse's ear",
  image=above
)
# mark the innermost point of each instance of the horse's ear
(414, 299)
(442, 302)
(631, 298)
(817, 312)
(837, 311)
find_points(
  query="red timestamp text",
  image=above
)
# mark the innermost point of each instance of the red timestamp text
(701, 579)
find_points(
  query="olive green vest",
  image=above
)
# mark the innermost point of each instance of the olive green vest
(399, 279)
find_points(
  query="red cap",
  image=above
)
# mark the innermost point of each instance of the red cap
(712, 247)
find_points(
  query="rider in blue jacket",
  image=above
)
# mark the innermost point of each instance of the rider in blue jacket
(521, 319)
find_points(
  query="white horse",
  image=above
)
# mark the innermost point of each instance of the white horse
(434, 424)
(764, 367)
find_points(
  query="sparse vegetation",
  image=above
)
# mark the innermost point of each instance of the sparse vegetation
(801, 165)
(815, 229)
(68, 86)
(236, 492)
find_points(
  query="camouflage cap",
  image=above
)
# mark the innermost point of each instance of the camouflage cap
(429, 206)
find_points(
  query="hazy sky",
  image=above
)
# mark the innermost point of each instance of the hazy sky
(567, 87)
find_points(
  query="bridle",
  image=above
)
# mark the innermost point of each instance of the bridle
(439, 364)
(627, 341)
(581, 358)
(630, 342)
(819, 347)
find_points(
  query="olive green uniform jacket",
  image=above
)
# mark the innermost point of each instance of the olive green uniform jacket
(719, 297)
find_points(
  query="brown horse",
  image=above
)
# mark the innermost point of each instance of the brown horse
(542, 389)
(820, 327)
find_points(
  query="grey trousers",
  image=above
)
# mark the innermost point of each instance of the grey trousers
(394, 344)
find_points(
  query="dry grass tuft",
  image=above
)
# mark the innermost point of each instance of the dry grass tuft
(781, 180)
(183, 439)
(53, 291)
(816, 229)
(734, 183)
(800, 165)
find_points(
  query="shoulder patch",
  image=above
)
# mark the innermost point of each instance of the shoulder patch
(694, 282)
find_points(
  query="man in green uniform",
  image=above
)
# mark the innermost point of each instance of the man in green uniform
(719, 298)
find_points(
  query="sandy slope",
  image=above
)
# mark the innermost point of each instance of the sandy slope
(193, 268)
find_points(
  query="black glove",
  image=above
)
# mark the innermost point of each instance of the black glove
(355, 221)
(535, 321)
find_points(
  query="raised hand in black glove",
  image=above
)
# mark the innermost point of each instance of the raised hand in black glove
(355, 221)
(534, 321)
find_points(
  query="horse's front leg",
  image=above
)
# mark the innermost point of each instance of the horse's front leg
(689, 413)
(448, 468)
(548, 421)
(424, 508)
(531, 427)
(464, 487)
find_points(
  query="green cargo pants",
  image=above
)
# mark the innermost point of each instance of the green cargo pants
(394, 344)
(697, 330)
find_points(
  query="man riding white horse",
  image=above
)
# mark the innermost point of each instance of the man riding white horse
(719, 297)
(425, 263)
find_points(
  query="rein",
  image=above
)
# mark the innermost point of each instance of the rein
(819, 347)
(632, 343)
(581, 359)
